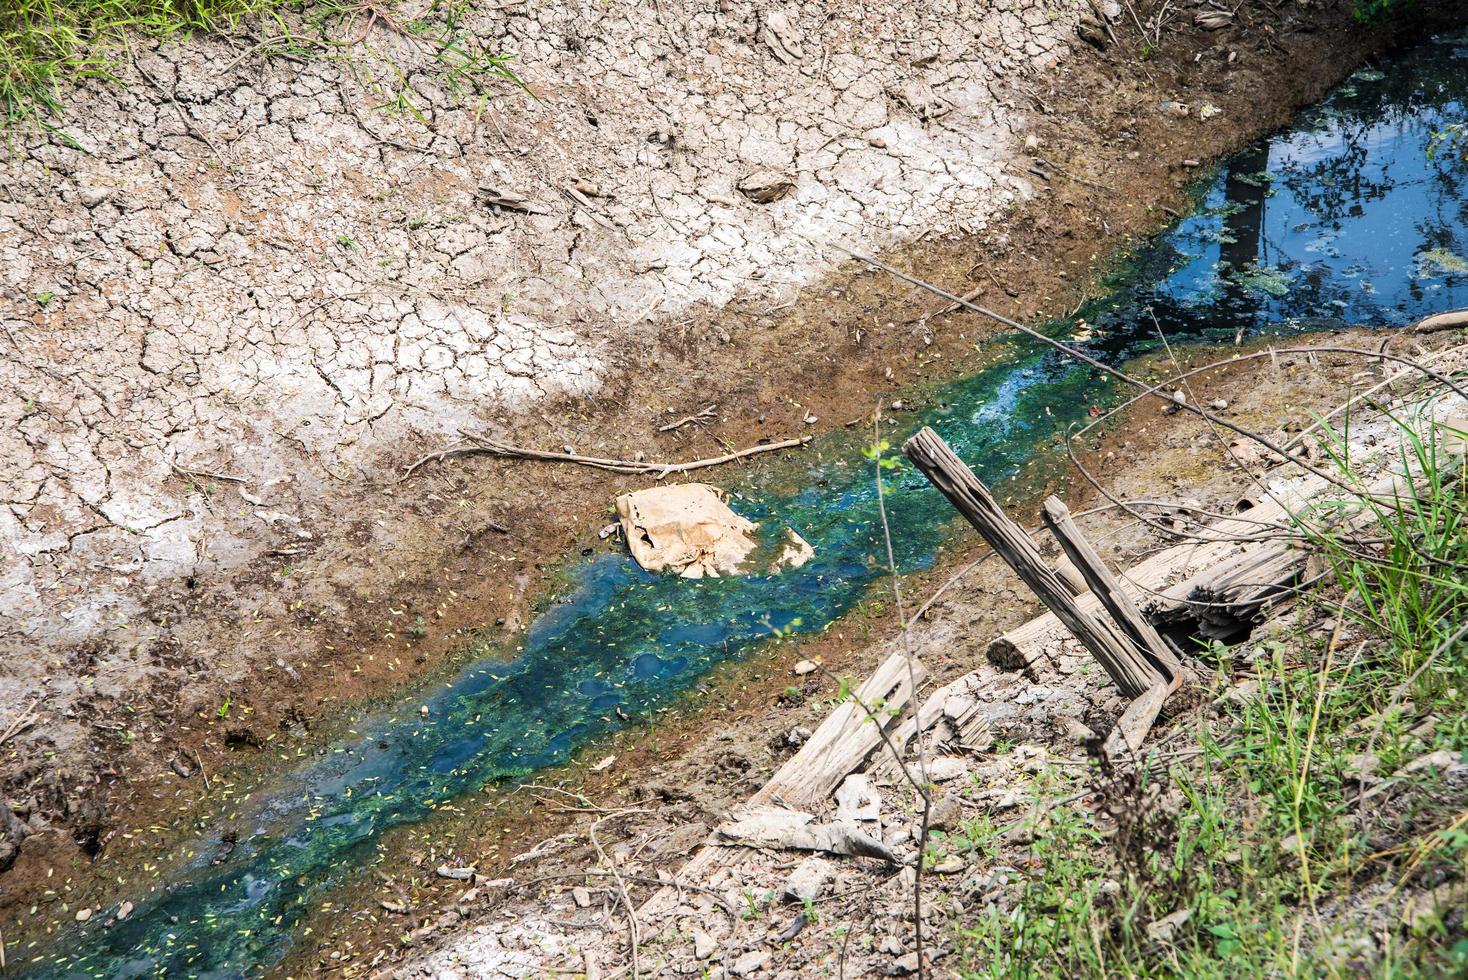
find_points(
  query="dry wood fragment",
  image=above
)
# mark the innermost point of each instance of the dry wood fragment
(510, 201)
(841, 743)
(702, 415)
(1449, 320)
(1123, 661)
(1136, 721)
(1168, 578)
(773, 826)
(22, 721)
(1112, 597)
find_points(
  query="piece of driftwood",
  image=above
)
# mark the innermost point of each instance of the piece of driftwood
(845, 739)
(841, 744)
(857, 800)
(1128, 666)
(954, 717)
(1136, 721)
(773, 826)
(1112, 597)
(1235, 595)
(1164, 581)
(1224, 578)
(1448, 320)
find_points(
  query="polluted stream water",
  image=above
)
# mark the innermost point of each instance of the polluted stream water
(1355, 215)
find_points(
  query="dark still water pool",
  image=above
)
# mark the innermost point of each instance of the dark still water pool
(1355, 214)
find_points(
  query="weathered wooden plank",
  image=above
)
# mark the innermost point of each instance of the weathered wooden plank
(845, 739)
(1112, 597)
(1123, 661)
(840, 745)
(1164, 581)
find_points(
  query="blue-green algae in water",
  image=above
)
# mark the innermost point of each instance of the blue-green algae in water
(1345, 217)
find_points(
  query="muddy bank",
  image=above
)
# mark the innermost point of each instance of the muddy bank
(472, 575)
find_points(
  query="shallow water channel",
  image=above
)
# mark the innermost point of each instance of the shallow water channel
(1356, 214)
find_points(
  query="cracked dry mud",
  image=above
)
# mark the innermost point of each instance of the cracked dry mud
(237, 295)
(294, 309)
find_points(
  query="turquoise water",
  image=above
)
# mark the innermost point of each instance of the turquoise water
(1356, 214)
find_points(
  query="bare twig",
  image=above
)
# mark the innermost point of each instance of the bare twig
(952, 581)
(22, 721)
(1145, 389)
(702, 415)
(925, 790)
(481, 445)
(633, 929)
(202, 771)
(947, 308)
(195, 474)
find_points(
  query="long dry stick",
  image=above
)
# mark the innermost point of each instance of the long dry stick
(1155, 390)
(926, 789)
(633, 930)
(481, 445)
(1147, 390)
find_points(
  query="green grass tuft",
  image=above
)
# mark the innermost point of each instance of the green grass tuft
(1265, 857)
(48, 45)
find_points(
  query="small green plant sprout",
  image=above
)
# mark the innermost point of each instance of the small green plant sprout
(43, 299)
(347, 242)
(878, 452)
(811, 913)
(782, 632)
(223, 710)
(979, 835)
(751, 905)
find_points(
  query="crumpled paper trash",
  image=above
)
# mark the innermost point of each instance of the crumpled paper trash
(688, 530)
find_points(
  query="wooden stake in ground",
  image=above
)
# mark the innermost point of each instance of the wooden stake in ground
(1113, 598)
(1127, 664)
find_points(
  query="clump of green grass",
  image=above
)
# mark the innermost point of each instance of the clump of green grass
(48, 45)
(1272, 856)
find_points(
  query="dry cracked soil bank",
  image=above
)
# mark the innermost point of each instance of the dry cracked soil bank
(239, 296)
